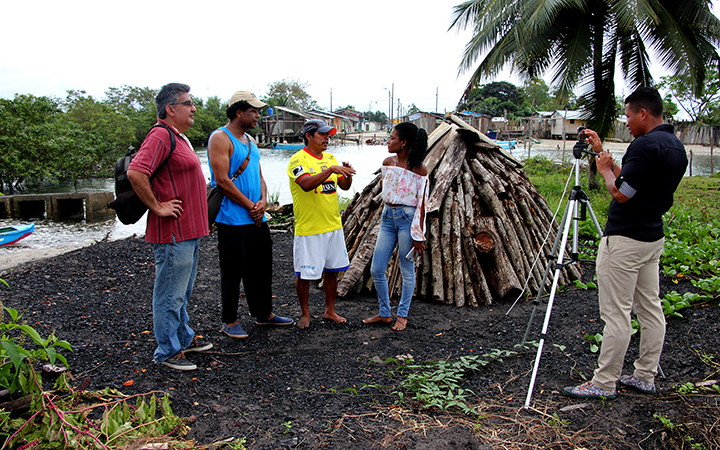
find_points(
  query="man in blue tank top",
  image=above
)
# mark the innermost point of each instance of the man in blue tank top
(244, 242)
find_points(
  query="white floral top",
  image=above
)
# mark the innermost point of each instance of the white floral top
(403, 187)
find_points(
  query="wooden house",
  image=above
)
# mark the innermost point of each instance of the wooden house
(566, 122)
(539, 124)
(283, 125)
(341, 122)
(428, 121)
(352, 117)
(478, 121)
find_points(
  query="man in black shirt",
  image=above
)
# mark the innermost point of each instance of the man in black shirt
(629, 254)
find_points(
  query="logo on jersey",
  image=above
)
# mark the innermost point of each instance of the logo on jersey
(328, 187)
(297, 171)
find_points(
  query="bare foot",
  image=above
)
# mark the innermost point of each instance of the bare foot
(334, 317)
(303, 323)
(400, 324)
(377, 319)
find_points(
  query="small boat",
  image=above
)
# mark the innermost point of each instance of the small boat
(280, 146)
(507, 145)
(11, 234)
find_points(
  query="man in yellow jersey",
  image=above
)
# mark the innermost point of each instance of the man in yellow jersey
(319, 249)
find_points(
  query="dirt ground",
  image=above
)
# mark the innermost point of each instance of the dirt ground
(333, 387)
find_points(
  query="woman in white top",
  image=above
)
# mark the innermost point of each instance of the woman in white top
(405, 191)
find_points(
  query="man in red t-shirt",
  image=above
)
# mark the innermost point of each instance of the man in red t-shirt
(177, 218)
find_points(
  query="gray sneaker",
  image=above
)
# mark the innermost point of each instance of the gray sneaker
(178, 362)
(198, 346)
(643, 386)
(588, 390)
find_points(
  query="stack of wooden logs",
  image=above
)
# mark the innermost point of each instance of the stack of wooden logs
(488, 229)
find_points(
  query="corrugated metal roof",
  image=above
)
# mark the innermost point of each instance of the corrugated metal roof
(569, 114)
(471, 113)
(332, 115)
(292, 111)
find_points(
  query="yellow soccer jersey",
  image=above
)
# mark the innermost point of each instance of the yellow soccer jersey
(316, 211)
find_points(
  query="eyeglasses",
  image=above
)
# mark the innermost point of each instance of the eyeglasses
(186, 103)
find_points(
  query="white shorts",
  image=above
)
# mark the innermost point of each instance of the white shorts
(320, 252)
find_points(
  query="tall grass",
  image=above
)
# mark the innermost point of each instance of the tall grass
(692, 226)
(555, 181)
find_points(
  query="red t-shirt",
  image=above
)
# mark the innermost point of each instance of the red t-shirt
(180, 178)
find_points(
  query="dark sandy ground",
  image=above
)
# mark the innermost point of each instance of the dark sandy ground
(331, 387)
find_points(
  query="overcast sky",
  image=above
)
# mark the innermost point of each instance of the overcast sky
(356, 50)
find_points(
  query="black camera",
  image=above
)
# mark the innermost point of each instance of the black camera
(582, 137)
(581, 145)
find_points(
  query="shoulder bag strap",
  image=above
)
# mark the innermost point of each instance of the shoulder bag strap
(172, 146)
(245, 163)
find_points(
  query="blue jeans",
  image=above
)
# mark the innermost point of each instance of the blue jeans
(175, 269)
(394, 229)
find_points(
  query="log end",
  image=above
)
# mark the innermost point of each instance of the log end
(484, 242)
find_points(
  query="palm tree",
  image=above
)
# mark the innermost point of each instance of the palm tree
(583, 42)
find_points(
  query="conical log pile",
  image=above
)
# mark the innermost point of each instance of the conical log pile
(486, 224)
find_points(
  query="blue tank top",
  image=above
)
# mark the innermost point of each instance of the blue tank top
(249, 182)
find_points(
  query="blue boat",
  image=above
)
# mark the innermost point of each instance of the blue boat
(507, 145)
(287, 146)
(12, 234)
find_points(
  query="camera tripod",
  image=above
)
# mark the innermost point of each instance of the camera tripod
(575, 211)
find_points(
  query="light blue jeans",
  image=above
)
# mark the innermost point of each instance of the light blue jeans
(394, 229)
(175, 269)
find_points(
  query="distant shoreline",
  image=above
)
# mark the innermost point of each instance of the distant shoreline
(697, 149)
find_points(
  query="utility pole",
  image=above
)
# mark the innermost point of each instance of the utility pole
(392, 104)
(389, 115)
(436, 99)
(331, 100)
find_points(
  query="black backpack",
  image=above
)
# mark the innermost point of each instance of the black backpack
(127, 205)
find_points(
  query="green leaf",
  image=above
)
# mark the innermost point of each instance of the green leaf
(30, 331)
(14, 352)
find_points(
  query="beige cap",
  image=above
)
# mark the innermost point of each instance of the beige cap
(248, 97)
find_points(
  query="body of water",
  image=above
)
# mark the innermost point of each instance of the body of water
(366, 159)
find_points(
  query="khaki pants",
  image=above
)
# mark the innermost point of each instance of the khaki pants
(628, 279)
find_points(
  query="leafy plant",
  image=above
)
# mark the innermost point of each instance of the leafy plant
(686, 388)
(667, 423)
(17, 371)
(556, 422)
(66, 417)
(694, 445)
(274, 196)
(674, 302)
(238, 444)
(594, 340)
(690, 246)
(711, 285)
(585, 286)
(65, 422)
(438, 384)
(344, 202)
